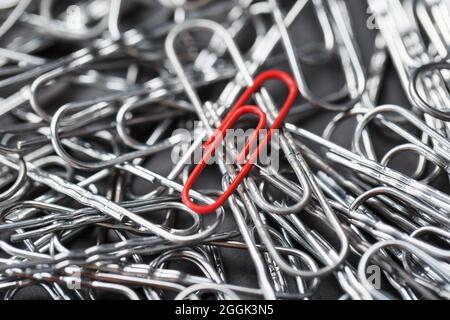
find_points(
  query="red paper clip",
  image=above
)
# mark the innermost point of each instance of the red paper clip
(236, 112)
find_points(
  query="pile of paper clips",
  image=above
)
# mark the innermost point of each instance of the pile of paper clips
(98, 96)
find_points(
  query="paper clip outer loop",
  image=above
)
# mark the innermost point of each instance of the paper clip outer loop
(259, 81)
(263, 77)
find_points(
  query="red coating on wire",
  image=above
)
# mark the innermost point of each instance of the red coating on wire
(239, 109)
